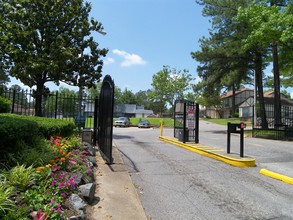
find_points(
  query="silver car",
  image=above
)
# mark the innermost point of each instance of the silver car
(144, 124)
(122, 122)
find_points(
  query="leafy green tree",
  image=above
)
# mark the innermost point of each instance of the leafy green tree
(169, 85)
(4, 79)
(141, 98)
(268, 24)
(286, 48)
(117, 96)
(127, 97)
(158, 107)
(94, 92)
(225, 64)
(42, 41)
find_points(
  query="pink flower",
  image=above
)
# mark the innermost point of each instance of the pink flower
(39, 215)
(53, 182)
(61, 185)
(72, 182)
(72, 161)
(55, 167)
(59, 210)
(63, 195)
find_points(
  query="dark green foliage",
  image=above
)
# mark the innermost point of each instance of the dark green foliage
(19, 134)
(35, 154)
(14, 128)
(50, 41)
(54, 127)
(4, 105)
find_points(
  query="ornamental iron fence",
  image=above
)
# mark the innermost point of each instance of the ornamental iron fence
(266, 127)
(74, 107)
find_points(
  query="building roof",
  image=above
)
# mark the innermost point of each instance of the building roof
(131, 109)
(230, 93)
(269, 99)
(143, 111)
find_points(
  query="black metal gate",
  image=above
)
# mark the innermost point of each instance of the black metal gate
(186, 121)
(105, 118)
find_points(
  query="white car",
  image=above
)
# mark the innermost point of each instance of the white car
(122, 122)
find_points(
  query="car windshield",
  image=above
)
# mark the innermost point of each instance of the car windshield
(122, 119)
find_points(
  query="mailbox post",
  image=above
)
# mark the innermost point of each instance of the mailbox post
(239, 129)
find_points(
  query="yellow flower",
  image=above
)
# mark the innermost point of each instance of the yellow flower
(39, 169)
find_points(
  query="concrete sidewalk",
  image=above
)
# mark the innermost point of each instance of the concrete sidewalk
(116, 195)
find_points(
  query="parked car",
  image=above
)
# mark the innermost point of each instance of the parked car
(122, 122)
(144, 124)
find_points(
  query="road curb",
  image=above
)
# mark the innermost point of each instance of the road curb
(212, 153)
(277, 176)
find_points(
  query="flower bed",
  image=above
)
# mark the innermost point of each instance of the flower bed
(44, 192)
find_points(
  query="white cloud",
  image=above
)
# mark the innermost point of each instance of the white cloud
(109, 60)
(129, 59)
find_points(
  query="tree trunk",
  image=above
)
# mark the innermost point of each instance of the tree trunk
(233, 100)
(258, 75)
(39, 99)
(277, 94)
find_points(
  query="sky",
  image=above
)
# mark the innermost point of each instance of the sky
(144, 35)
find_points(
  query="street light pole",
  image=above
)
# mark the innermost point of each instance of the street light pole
(254, 101)
(80, 91)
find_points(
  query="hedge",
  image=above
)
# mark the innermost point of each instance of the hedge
(15, 128)
(4, 105)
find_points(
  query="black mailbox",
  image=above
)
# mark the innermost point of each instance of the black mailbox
(232, 127)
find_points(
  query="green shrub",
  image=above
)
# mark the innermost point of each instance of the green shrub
(21, 137)
(54, 127)
(14, 129)
(21, 177)
(36, 154)
(4, 105)
(28, 126)
(6, 204)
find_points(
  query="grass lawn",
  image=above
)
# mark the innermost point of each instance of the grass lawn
(155, 122)
(224, 121)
